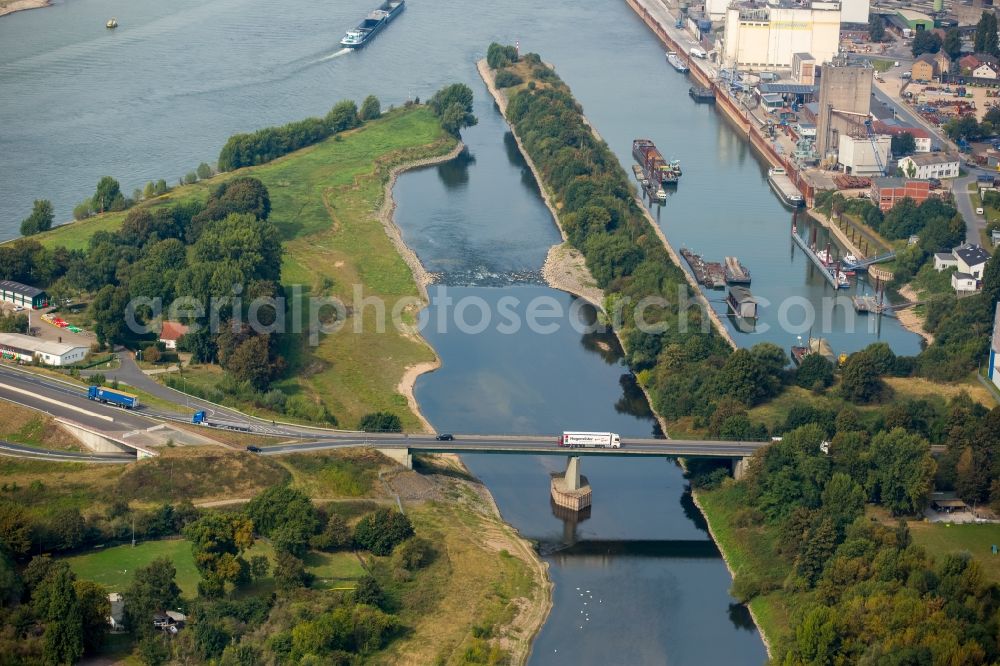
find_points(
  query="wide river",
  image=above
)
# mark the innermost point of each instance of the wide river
(164, 91)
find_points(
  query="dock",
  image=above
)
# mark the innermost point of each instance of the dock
(736, 273)
(826, 271)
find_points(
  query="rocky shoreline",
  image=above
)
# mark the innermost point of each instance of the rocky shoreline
(22, 5)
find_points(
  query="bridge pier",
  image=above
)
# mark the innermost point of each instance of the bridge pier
(571, 490)
(401, 455)
(740, 466)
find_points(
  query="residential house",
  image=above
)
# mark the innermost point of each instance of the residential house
(963, 282)
(924, 68)
(930, 165)
(171, 332)
(942, 63)
(944, 261)
(994, 370)
(968, 63)
(969, 261)
(886, 192)
(985, 71)
(921, 137)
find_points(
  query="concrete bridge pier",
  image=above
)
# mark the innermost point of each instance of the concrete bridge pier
(401, 455)
(740, 466)
(571, 490)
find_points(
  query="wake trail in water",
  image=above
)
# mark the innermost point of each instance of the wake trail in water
(339, 53)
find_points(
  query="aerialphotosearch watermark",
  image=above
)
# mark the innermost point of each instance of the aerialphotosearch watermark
(297, 313)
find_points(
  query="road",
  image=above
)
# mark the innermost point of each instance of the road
(17, 451)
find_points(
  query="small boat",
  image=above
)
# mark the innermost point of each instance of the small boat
(676, 62)
(661, 194)
(842, 280)
(112, 23)
(825, 255)
(373, 24)
(701, 94)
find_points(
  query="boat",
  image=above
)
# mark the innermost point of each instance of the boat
(784, 187)
(701, 94)
(825, 255)
(742, 303)
(843, 282)
(709, 274)
(656, 169)
(373, 23)
(639, 175)
(677, 62)
(660, 194)
(736, 273)
(112, 23)
(813, 346)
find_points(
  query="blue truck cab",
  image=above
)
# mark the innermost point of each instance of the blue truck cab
(198, 418)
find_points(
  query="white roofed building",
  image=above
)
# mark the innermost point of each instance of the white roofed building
(25, 348)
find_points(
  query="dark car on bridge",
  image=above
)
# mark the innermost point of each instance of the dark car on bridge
(445, 437)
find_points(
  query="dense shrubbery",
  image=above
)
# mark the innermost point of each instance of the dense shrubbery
(499, 55)
(506, 79)
(266, 144)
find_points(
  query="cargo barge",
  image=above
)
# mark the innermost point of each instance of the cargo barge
(784, 187)
(656, 169)
(373, 24)
(736, 273)
(742, 303)
(710, 274)
(702, 94)
(677, 62)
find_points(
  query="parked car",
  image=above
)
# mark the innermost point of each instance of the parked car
(253, 449)
(445, 437)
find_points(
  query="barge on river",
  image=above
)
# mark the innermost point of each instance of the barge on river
(677, 62)
(373, 24)
(784, 187)
(742, 303)
(736, 273)
(656, 169)
(702, 94)
(708, 273)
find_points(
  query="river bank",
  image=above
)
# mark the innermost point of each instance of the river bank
(11, 6)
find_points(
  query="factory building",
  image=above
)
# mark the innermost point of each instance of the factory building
(767, 35)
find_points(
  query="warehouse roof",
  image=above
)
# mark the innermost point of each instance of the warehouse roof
(36, 345)
(928, 159)
(18, 288)
(786, 88)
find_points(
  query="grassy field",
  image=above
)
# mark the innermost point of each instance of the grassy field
(324, 202)
(114, 567)
(22, 425)
(940, 539)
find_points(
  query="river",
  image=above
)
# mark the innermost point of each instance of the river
(162, 93)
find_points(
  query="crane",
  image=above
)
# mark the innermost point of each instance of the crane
(871, 137)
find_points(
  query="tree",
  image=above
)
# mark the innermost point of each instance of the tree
(40, 219)
(250, 362)
(952, 44)
(753, 375)
(843, 500)
(152, 589)
(991, 280)
(860, 381)
(217, 540)
(161, 187)
(149, 191)
(876, 28)
(83, 210)
(926, 41)
(67, 528)
(108, 312)
(15, 528)
(381, 530)
(380, 422)
(903, 144)
(343, 116)
(499, 55)
(985, 40)
(153, 651)
(108, 195)
(453, 106)
(370, 108)
(816, 638)
(815, 372)
(903, 470)
(335, 535)
(260, 566)
(190, 178)
(369, 592)
(204, 171)
(94, 611)
(289, 572)
(963, 127)
(55, 603)
(819, 545)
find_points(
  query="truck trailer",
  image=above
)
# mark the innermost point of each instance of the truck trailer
(113, 397)
(590, 440)
(201, 418)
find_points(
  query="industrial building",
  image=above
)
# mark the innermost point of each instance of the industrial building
(17, 347)
(921, 137)
(861, 155)
(845, 93)
(854, 11)
(766, 36)
(22, 295)
(887, 192)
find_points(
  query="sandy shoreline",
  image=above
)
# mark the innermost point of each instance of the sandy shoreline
(909, 319)
(421, 276)
(22, 5)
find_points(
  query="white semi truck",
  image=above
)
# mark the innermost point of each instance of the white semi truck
(590, 440)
